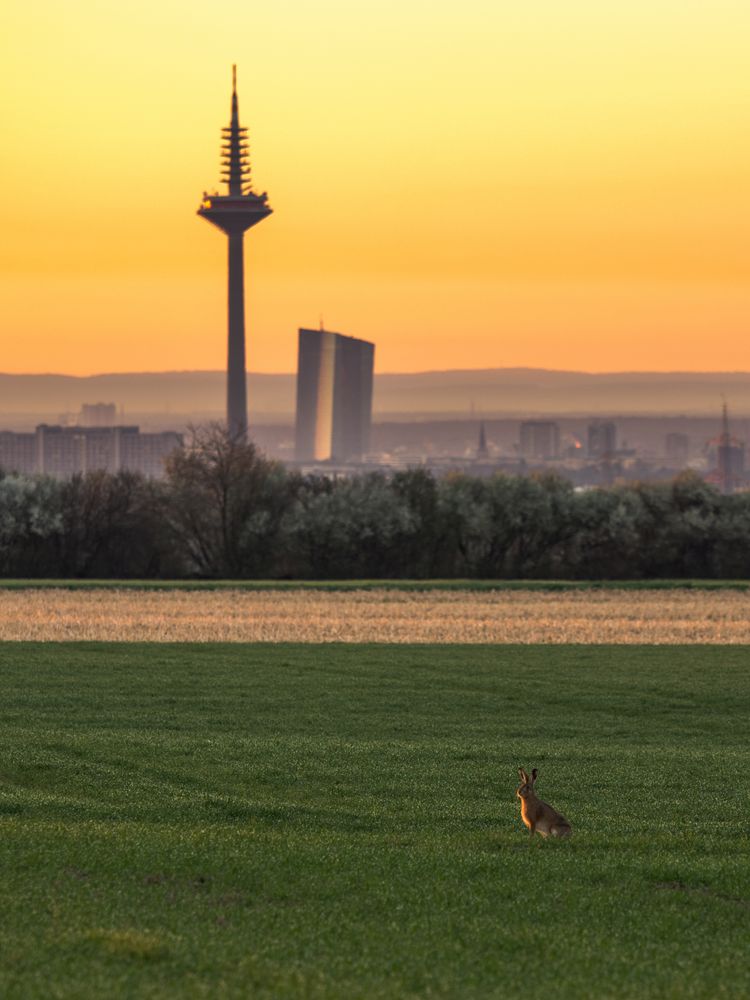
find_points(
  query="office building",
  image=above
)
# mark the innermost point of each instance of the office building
(676, 450)
(540, 439)
(98, 415)
(602, 439)
(64, 451)
(334, 397)
(17, 452)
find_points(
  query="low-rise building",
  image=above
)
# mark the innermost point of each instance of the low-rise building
(61, 452)
(98, 415)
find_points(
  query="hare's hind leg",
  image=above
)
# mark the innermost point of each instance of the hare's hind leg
(563, 830)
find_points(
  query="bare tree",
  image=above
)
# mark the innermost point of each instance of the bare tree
(224, 503)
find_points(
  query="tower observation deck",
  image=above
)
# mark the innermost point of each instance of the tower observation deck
(234, 213)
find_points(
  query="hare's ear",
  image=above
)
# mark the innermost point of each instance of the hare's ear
(523, 775)
(533, 776)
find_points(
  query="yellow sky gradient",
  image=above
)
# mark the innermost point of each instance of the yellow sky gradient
(553, 184)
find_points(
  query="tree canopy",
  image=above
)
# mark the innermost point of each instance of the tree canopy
(224, 510)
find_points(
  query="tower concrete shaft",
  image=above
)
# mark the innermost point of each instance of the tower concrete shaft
(233, 214)
(236, 368)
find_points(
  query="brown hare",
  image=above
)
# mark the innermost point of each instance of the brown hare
(537, 815)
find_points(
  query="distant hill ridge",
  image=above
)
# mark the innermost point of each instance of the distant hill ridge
(491, 391)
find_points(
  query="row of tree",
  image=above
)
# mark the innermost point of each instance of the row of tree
(225, 511)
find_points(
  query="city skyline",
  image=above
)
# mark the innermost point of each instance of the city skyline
(560, 187)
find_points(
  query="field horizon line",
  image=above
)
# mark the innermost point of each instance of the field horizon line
(462, 584)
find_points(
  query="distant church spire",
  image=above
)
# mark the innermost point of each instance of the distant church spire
(482, 450)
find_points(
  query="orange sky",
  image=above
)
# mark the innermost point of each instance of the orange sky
(488, 184)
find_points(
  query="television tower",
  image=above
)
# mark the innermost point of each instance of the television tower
(233, 213)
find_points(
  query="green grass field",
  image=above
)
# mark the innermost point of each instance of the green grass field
(340, 821)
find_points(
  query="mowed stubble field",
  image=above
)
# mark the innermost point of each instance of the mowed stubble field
(338, 821)
(390, 616)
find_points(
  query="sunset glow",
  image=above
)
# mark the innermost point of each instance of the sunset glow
(483, 185)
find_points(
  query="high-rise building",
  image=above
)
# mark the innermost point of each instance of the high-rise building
(676, 449)
(334, 397)
(540, 439)
(233, 214)
(602, 439)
